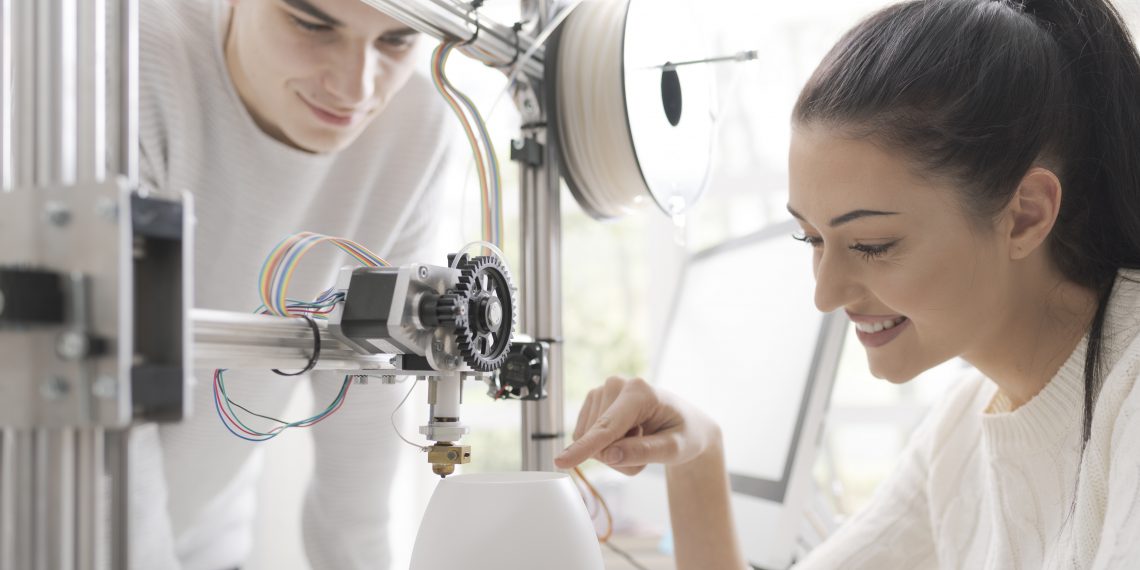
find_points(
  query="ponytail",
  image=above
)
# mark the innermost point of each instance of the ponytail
(1098, 232)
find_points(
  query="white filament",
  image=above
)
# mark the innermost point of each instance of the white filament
(498, 252)
(593, 122)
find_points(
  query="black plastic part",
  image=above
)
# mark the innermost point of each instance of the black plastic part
(155, 218)
(447, 310)
(671, 99)
(411, 363)
(369, 304)
(314, 357)
(527, 151)
(30, 297)
(524, 373)
(157, 378)
(484, 344)
(157, 392)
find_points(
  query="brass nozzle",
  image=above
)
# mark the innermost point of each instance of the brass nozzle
(444, 456)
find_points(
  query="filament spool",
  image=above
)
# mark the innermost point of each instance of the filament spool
(630, 126)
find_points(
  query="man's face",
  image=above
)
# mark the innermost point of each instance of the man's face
(314, 73)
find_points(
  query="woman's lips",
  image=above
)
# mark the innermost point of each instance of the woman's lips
(878, 335)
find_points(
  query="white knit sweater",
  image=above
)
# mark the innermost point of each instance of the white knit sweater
(193, 484)
(983, 489)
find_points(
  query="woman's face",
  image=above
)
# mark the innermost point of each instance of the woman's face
(922, 282)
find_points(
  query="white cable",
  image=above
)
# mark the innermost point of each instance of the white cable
(593, 121)
(397, 428)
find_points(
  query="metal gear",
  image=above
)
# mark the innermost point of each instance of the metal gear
(484, 340)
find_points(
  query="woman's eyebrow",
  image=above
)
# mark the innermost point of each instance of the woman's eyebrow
(848, 217)
(306, 7)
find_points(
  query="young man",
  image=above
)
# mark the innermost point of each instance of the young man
(280, 116)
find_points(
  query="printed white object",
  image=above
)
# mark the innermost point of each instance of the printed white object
(506, 521)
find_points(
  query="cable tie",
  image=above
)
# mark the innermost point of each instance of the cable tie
(516, 28)
(316, 349)
(478, 24)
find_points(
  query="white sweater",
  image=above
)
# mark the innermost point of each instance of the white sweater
(193, 484)
(982, 488)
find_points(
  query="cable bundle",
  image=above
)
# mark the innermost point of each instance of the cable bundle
(490, 178)
(273, 284)
(230, 419)
(277, 272)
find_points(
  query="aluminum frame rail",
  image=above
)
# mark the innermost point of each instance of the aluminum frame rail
(225, 339)
(68, 137)
(496, 44)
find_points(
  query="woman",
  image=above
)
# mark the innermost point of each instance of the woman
(967, 173)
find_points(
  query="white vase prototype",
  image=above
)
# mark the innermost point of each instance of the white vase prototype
(506, 521)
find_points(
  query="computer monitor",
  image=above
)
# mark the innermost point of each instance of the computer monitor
(746, 344)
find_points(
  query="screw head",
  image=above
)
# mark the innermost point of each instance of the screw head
(105, 387)
(55, 388)
(423, 273)
(57, 214)
(494, 313)
(107, 209)
(71, 345)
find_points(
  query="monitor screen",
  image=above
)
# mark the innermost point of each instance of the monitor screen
(741, 344)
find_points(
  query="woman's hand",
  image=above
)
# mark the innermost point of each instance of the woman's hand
(628, 424)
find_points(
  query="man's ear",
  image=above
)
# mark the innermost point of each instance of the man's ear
(1032, 211)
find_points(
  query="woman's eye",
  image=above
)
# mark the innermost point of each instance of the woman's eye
(308, 26)
(870, 252)
(813, 241)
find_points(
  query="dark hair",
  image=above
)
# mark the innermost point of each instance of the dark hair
(980, 91)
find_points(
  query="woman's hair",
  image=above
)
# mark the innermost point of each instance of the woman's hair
(980, 91)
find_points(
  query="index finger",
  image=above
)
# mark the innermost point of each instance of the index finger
(622, 416)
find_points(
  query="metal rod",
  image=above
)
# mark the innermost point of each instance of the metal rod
(88, 498)
(128, 93)
(542, 420)
(7, 153)
(495, 45)
(736, 57)
(116, 461)
(24, 532)
(238, 340)
(8, 507)
(25, 103)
